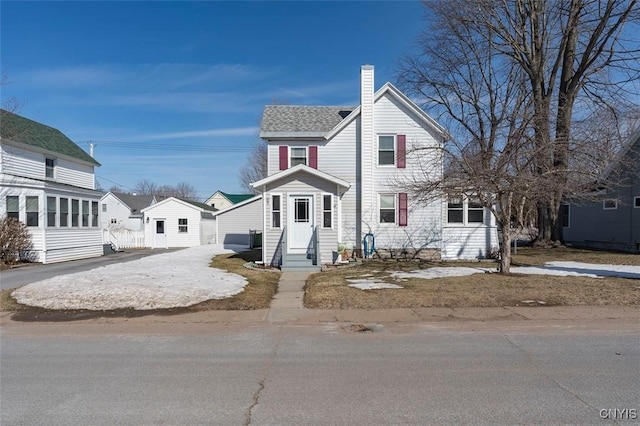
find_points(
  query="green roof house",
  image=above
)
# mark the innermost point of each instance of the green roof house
(48, 183)
(222, 200)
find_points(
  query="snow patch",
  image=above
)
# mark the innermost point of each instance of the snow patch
(370, 284)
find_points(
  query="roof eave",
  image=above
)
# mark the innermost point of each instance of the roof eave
(292, 135)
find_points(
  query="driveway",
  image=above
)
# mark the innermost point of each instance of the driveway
(17, 277)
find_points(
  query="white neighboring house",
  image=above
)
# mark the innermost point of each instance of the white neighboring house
(173, 222)
(332, 178)
(119, 210)
(47, 182)
(222, 200)
(235, 223)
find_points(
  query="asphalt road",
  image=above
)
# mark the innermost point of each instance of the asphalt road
(319, 374)
(17, 277)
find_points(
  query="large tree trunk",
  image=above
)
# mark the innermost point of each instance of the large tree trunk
(505, 249)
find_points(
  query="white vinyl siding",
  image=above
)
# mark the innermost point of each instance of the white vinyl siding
(234, 224)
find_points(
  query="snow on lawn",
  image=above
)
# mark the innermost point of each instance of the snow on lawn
(167, 280)
(573, 269)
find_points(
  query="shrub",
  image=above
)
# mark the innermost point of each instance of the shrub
(14, 240)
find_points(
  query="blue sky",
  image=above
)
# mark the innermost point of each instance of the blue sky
(174, 91)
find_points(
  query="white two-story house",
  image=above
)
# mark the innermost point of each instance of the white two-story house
(47, 182)
(334, 178)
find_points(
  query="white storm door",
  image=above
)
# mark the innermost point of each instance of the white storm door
(159, 233)
(300, 214)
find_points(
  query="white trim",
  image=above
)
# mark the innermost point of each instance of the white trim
(395, 150)
(235, 206)
(322, 210)
(395, 209)
(392, 90)
(270, 200)
(301, 168)
(290, 154)
(604, 204)
(636, 202)
(291, 217)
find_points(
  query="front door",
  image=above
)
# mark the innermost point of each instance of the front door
(300, 213)
(160, 234)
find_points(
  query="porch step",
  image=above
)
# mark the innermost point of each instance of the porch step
(298, 262)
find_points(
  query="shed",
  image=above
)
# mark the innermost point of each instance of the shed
(173, 222)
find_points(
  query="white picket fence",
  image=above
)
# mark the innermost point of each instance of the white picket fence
(121, 238)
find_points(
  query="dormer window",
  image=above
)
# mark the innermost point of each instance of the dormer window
(50, 164)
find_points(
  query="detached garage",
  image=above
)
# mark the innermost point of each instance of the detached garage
(233, 224)
(178, 223)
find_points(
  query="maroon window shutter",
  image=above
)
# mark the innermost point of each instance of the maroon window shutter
(402, 209)
(313, 157)
(402, 151)
(284, 158)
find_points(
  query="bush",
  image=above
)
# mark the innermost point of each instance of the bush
(15, 240)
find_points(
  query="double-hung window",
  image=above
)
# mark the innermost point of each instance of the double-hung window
(387, 208)
(564, 215)
(276, 209)
(64, 212)
(85, 212)
(464, 210)
(94, 213)
(49, 167)
(13, 207)
(455, 209)
(183, 225)
(386, 150)
(298, 156)
(327, 211)
(475, 211)
(75, 213)
(51, 211)
(32, 211)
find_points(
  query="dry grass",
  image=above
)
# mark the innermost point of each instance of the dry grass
(329, 290)
(256, 295)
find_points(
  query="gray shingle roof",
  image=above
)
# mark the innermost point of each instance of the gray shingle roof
(21, 129)
(135, 202)
(299, 118)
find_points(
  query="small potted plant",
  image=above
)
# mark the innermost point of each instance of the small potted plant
(342, 249)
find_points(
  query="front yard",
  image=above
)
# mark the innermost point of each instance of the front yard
(331, 290)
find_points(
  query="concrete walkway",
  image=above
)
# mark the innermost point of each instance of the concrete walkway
(288, 303)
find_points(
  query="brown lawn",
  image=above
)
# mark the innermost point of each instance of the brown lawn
(329, 290)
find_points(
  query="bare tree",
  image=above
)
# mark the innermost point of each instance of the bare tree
(255, 167)
(185, 191)
(9, 104)
(564, 53)
(488, 108)
(146, 187)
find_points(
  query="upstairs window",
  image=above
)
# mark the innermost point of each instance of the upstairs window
(51, 211)
(298, 156)
(49, 167)
(104, 207)
(386, 150)
(610, 204)
(32, 211)
(183, 225)
(13, 207)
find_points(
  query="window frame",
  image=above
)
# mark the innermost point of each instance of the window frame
(50, 170)
(94, 214)
(455, 209)
(394, 150)
(291, 156)
(566, 215)
(64, 213)
(464, 209)
(636, 202)
(84, 213)
(32, 218)
(274, 211)
(326, 211)
(104, 207)
(395, 208)
(608, 200)
(52, 214)
(13, 213)
(183, 225)
(75, 213)
(474, 209)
